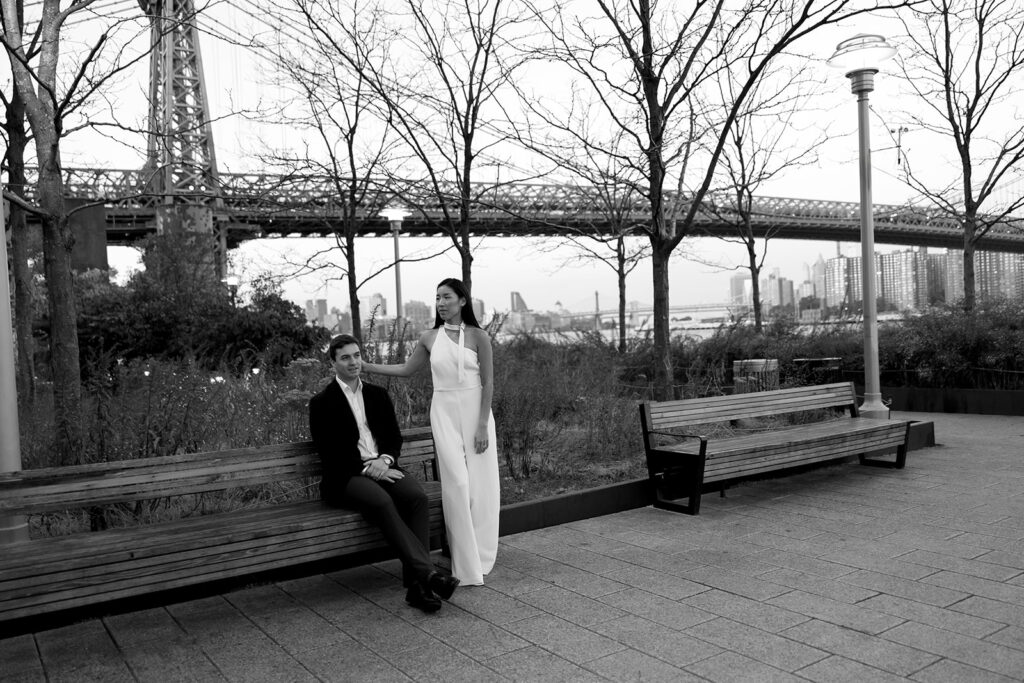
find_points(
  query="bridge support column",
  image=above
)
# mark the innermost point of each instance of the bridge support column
(89, 226)
(196, 220)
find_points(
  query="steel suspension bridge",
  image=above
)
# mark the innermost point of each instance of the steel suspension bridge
(266, 205)
(180, 183)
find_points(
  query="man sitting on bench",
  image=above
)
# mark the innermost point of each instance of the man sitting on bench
(355, 430)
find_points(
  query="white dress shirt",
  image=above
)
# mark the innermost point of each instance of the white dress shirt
(367, 444)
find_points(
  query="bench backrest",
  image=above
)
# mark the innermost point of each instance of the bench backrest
(55, 488)
(660, 416)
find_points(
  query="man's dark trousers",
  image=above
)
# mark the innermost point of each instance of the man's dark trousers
(400, 511)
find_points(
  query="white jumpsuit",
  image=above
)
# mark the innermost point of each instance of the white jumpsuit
(470, 492)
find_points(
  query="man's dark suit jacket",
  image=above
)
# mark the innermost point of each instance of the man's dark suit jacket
(336, 434)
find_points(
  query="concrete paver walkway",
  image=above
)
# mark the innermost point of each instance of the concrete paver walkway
(846, 573)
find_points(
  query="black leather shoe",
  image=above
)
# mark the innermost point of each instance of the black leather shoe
(442, 584)
(421, 597)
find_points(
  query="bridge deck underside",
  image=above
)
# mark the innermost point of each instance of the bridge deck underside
(126, 227)
(267, 205)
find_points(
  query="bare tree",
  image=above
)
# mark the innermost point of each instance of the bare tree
(769, 137)
(54, 89)
(603, 225)
(965, 62)
(443, 97)
(646, 61)
(330, 46)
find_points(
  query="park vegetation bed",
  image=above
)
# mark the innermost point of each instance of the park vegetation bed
(566, 409)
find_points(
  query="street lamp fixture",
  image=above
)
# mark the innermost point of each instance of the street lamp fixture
(232, 282)
(394, 216)
(859, 58)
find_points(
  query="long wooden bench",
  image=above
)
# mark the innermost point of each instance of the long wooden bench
(51, 574)
(682, 464)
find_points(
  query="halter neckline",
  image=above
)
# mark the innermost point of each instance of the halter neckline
(461, 344)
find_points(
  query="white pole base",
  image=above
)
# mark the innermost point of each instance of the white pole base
(873, 407)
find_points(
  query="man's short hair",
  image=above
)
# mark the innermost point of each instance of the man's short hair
(340, 341)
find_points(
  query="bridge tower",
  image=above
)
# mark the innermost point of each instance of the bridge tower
(181, 164)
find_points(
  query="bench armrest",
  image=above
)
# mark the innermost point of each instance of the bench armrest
(680, 435)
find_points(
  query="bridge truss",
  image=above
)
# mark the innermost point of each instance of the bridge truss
(266, 205)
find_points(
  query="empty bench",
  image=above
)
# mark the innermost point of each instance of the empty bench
(682, 463)
(57, 573)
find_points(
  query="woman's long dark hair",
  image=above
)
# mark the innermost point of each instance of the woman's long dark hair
(468, 316)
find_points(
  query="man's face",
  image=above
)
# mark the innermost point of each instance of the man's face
(348, 362)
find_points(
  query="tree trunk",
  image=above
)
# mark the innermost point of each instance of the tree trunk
(620, 271)
(64, 360)
(353, 285)
(663, 382)
(20, 240)
(755, 286)
(465, 249)
(970, 226)
(467, 261)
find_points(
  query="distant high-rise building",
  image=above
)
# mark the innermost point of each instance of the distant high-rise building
(321, 310)
(739, 290)
(310, 311)
(419, 314)
(518, 304)
(843, 280)
(954, 275)
(900, 279)
(935, 289)
(997, 275)
(478, 310)
(771, 295)
(838, 284)
(378, 302)
(818, 277)
(787, 296)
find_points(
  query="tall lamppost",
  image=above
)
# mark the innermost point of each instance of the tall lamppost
(859, 58)
(395, 214)
(12, 527)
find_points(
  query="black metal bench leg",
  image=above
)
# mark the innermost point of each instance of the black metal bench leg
(693, 475)
(898, 463)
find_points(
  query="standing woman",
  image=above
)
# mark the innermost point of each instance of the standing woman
(461, 365)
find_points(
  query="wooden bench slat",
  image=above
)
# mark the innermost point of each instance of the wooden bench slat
(200, 573)
(719, 412)
(116, 484)
(81, 550)
(205, 553)
(718, 469)
(51, 574)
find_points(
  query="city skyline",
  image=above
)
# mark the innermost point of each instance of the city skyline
(907, 279)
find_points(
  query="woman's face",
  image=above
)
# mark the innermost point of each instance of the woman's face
(449, 304)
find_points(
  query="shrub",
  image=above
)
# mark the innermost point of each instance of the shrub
(950, 347)
(176, 310)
